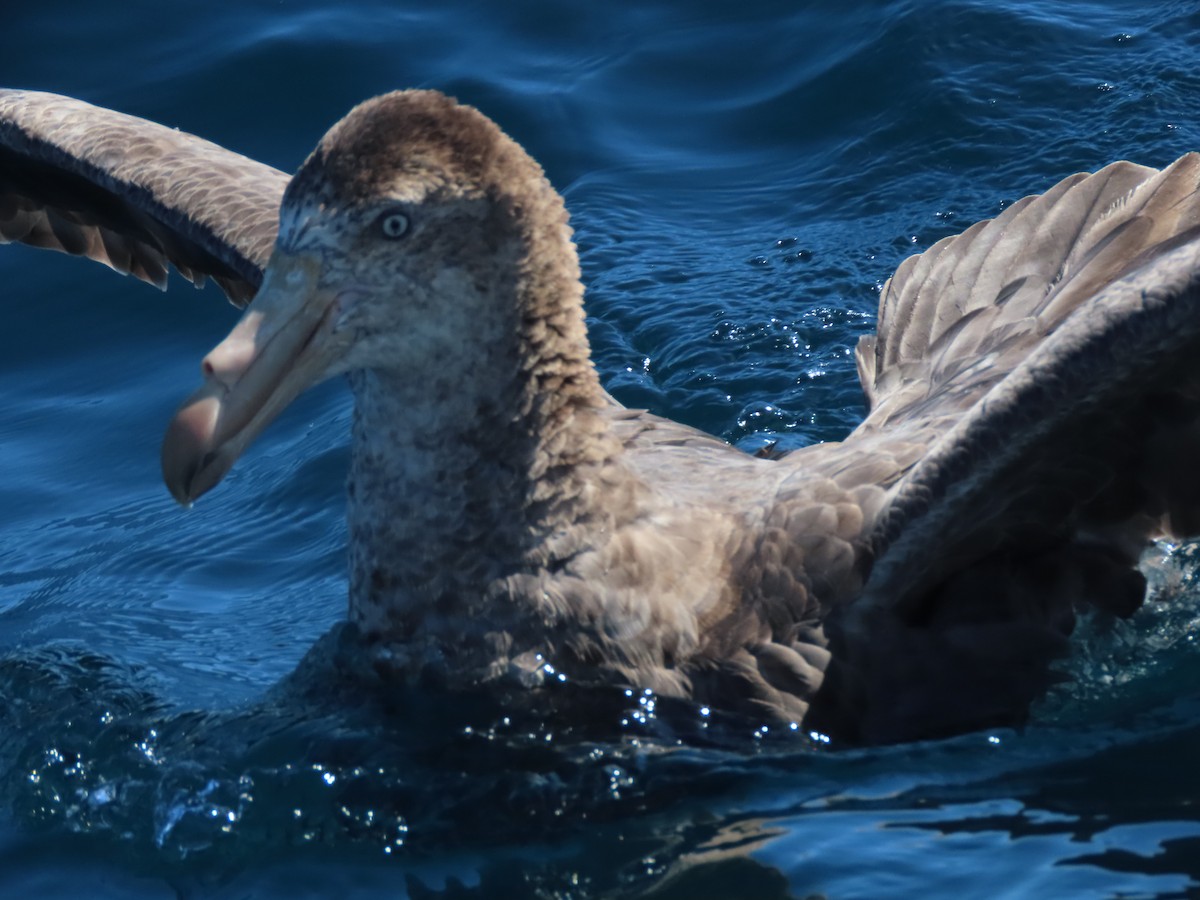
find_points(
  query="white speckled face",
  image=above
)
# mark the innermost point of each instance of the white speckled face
(414, 292)
(417, 287)
(417, 243)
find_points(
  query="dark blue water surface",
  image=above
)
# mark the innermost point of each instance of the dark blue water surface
(742, 178)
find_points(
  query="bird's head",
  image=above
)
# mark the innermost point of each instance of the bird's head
(412, 240)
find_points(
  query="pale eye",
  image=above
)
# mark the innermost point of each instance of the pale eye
(393, 225)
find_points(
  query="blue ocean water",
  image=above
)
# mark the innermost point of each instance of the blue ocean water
(742, 178)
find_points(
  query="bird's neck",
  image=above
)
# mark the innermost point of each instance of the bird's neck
(464, 491)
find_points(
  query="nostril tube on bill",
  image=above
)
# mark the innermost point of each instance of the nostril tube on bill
(227, 362)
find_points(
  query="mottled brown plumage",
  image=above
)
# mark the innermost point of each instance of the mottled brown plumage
(1032, 386)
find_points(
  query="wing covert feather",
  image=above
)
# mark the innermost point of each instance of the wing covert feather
(133, 194)
(1045, 359)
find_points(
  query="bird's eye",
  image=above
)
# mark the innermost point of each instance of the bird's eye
(393, 225)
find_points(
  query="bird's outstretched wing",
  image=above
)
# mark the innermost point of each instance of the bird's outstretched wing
(1049, 363)
(133, 194)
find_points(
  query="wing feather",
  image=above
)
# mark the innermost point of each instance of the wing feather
(1045, 359)
(1043, 366)
(134, 195)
